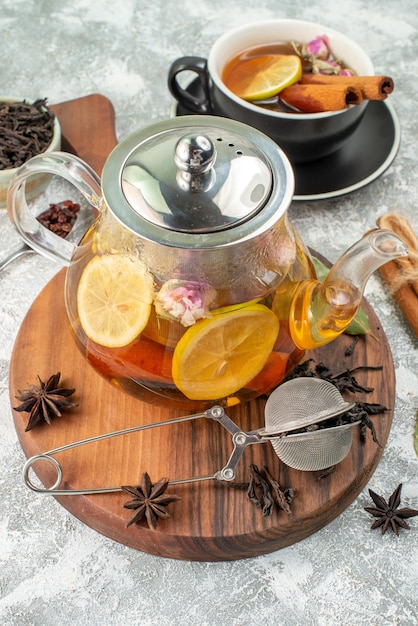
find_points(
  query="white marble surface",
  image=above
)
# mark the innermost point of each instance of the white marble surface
(53, 569)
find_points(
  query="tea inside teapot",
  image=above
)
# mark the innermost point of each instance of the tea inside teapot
(212, 329)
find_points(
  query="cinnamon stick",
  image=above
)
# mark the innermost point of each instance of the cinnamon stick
(319, 98)
(405, 296)
(407, 264)
(372, 87)
(401, 275)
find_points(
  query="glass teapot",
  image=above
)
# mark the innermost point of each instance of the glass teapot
(191, 287)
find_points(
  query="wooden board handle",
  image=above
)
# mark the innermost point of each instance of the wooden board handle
(88, 128)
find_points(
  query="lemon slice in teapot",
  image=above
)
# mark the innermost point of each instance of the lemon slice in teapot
(114, 299)
(220, 355)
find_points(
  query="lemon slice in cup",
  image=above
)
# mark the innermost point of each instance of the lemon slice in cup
(218, 356)
(260, 78)
(114, 299)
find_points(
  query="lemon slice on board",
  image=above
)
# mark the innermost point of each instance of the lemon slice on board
(220, 355)
(114, 299)
(260, 78)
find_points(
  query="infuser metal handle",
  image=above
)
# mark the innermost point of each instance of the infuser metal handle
(48, 456)
(240, 440)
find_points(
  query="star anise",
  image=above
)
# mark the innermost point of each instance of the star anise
(387, 513)
(149, 501)
(44, 401)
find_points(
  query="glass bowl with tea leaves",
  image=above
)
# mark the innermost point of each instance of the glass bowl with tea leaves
(27, 127)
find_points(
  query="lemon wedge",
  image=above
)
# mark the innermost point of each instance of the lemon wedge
(260, 78)
(114, 299)
(218, 356)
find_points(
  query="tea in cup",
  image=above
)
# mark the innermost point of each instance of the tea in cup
(303, 136)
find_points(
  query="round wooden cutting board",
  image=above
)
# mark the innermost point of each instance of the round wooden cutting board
(212, 521)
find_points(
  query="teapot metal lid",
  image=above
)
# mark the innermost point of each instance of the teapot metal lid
(197, 181)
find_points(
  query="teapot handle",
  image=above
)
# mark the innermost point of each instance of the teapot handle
(33, 233)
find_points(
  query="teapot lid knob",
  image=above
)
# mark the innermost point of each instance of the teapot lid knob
(194, 154)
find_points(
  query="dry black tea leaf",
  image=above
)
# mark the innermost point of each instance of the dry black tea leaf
(266, 494)
(283, 498)
(344, 381)
(25, 130)
(259, 491)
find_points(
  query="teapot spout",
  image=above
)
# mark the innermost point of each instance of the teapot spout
(322, 311)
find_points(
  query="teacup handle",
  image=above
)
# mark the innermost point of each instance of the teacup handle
(198, 65)
(38, 237)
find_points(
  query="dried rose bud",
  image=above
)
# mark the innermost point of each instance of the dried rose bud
(326, 67)
(184, 301)
(318, 47)
(347, 72)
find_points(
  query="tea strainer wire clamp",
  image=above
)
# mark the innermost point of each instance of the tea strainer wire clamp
(293, 406)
